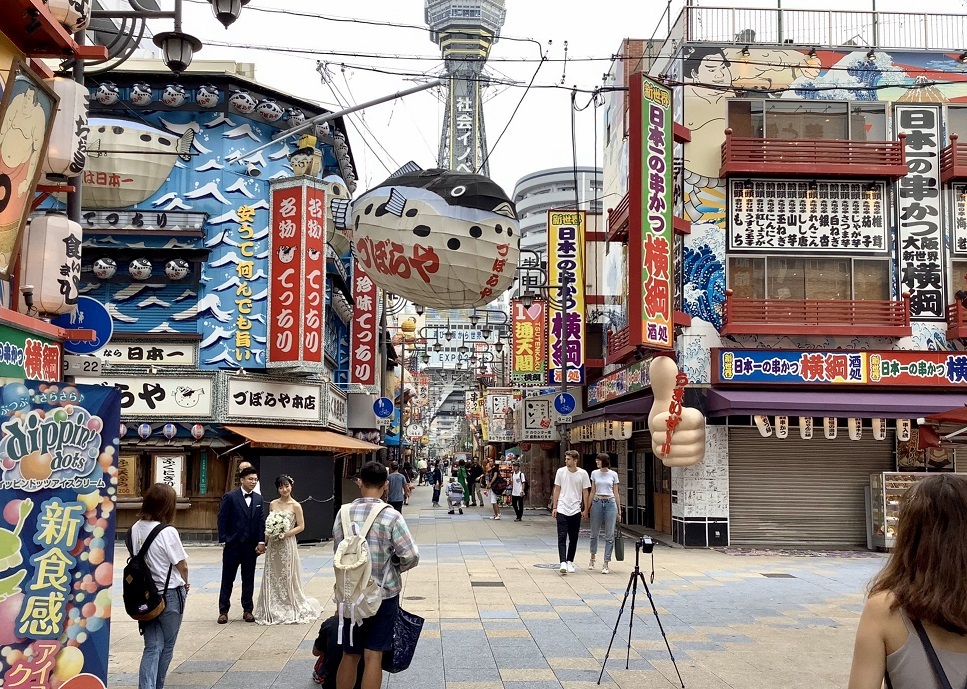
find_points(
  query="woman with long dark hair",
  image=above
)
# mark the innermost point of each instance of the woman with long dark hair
(913, 631)
(605, 509)
(168, 562)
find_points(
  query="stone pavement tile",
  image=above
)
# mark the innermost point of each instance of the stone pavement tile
(573, 663)
(180, 679)
(527, 675)
(499, 614)
(578, 675)
(491, 675)
(473, 685)
(539, 616)
(546, 684)
(571, 684)
(247, 680)
(123, 679)
(448, 625)
(203, 666)
(468, 660)
(507, 633)
(632, 679)
(267, 663)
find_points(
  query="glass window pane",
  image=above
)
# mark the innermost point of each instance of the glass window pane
(745, 117)
(786, 279)
(827, 278)
(871, 279)
(747, 278)
(868, 122)
(957, 120)
(806, 120)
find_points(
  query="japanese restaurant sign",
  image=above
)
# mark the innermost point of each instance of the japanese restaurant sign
(920, 234)
(275, 402)
(59, 465)
(155, 354)
(529, 351)
(657, 329)
(839, 367)
(627, 381)
(959, 198)
(797, 216)
(28, 356)
(362, 348)
(297, 274)
(565, 261)
(158, 397)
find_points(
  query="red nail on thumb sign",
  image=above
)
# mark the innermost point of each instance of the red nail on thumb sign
(677, 432)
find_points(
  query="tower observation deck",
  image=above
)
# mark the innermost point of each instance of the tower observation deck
(465, 30)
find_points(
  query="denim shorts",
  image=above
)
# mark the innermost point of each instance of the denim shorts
(375, 633)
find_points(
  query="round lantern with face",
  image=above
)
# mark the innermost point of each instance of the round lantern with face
(269, 110)
(339, 238)
(441, 239)
(105, 268)
(243, 101)
(207, 95)
(141, 94)
(140, 268)
(107, 93)
(177, 268)
(174, 95)
(294, 117)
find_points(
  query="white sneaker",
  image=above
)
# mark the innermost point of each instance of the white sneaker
(570, 567)
(563, 568)
(496, 517)
(605, 570)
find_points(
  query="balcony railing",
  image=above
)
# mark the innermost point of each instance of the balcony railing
(801, 27)
(863, 317)
(956, 321)
(618, 341)
(953, 161)
(618, 220)
(812, 157)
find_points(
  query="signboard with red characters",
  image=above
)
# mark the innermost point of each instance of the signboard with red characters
(362, 354)
(297, 274)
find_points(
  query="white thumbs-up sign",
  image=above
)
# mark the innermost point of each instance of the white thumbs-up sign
(677, 432)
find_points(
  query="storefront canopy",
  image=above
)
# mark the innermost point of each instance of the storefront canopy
(630, 410)
(302, 439)
(884, 405)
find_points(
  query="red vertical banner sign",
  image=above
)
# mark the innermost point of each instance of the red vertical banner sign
(314, 277)
(362, 351)
(287, 227)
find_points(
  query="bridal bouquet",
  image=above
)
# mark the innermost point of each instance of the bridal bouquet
(277, 525)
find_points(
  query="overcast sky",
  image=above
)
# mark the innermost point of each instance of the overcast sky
(539, 136)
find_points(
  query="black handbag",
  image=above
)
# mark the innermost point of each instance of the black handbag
(406, 634)
(619, 547)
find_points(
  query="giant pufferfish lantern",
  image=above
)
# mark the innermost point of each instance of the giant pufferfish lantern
(441, 239)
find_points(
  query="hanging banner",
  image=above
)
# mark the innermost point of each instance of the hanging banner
(362, 350)
(529, 352)
(59, 457)
(855, 428)
(903, 430)
(762, 423)
(920, 236)
(657, 185)
(297, 274)
(805, 427)
(879, 429)
(830, 426)
(565, 261)
(782, 427)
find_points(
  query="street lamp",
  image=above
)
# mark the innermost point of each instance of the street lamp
(474, 317)
(227, 11)
(177, 49)
(527, 299)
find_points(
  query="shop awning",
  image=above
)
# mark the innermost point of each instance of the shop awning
(302, 439)
(629, 410)
(884, 405)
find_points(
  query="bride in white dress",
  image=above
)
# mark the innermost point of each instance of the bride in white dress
(281, 598)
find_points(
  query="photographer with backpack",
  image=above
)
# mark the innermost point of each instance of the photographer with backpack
(156, 582)
(373, 547)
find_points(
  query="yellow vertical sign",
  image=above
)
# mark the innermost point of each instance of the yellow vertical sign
(565, 264)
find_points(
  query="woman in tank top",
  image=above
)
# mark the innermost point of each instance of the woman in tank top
(913, 631)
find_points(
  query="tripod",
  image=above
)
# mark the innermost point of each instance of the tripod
(632, 588)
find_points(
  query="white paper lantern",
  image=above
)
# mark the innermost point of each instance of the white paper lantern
(830, 427)
(105, 268)
(140, 268)
(197, 431)
(51, 262)
(144, 431)
(74, 15)
(440, 239)
(67, 150)
(169, 430)
(177, 268)
(879, 429)
(122, 430)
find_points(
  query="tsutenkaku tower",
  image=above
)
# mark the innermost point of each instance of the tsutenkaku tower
(465, 30)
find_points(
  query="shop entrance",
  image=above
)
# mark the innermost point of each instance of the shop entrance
(661, 493)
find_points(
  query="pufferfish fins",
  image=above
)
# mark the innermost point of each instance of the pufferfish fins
(408, 168)
(396, 203)
(507, 210)
(342, 210)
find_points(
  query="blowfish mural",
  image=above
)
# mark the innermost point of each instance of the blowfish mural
(441, 239)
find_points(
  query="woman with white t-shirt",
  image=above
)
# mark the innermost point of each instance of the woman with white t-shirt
(168, 562)
(605, 509)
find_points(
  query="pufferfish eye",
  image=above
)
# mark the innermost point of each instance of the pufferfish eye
(458, 191)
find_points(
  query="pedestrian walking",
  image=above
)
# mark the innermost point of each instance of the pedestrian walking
(572, 498)
(462, 475)
(605, 509)
(392, 551)
(518, 491)
(474, 474)
(421, 466)
(454, 495)
(241, 531)
(397, 488)
(496, 486)
(913, 630)
(436, 480)
(168, 564)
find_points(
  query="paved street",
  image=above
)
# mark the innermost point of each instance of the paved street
(500, 615)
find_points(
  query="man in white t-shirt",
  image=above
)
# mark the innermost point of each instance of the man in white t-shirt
(572, 498)
(517, 491)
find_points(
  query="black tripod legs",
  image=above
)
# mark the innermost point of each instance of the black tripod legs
(633, 581)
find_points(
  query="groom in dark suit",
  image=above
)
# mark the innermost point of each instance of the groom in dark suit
(241, 530)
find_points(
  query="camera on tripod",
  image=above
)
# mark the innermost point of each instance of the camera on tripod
(646, 544)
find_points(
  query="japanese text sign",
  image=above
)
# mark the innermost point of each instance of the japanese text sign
(362, 348)
(839, 367)
(529, 353)
(159, 397)
(28, 356)
(59, 458)
(920, 234)
(959, 198)
(657, 329)
(275, 402)
(463, 131)
(297, 274)
(565, 261)
(626, 381)
(800, 216)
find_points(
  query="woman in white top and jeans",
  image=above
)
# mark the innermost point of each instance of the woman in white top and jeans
(165, 554)
(605, 508)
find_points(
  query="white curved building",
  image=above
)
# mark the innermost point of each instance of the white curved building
(553, 189)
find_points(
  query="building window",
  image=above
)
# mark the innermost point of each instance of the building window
(808, 120)
(957, 121)
(782, 277)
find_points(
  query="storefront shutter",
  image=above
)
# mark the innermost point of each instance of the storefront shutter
(798, 492)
